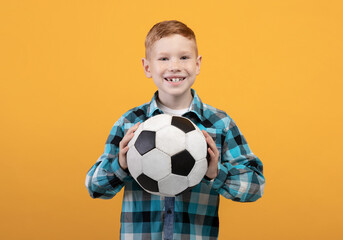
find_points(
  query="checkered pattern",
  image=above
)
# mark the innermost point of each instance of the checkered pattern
(240, 178)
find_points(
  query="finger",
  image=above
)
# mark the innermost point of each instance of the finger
(210, 141)
(207, 136)
(126, 139)
(205, 133)
(212, 155)
(124, 150)
(133, 128)
(128, 136)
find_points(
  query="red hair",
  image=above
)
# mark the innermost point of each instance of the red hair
(165, 29)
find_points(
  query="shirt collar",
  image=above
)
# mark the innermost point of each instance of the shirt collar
(195, 107)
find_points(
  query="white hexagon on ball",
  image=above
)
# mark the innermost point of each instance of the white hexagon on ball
(170, 140)
(157, 122)
(134, 162)
(198, 172)
(156, 164)
(173, 184)
(196, 145)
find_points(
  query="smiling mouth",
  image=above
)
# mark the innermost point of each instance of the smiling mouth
(174, 79)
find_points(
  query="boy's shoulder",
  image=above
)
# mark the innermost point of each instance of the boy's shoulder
(137, 113)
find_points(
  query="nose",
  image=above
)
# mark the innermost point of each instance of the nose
(174, 66)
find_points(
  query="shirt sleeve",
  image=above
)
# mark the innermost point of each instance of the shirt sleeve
(106, 178)
(240, 172)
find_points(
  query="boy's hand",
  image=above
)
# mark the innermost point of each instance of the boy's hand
(123, 148)
(212, 170)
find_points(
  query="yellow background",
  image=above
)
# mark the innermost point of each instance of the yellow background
(70, 69)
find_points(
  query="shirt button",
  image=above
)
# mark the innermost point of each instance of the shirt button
(169, 211)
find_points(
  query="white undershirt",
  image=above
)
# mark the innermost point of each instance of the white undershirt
(173, 112)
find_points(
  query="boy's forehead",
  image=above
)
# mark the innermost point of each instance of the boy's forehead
(174, 42)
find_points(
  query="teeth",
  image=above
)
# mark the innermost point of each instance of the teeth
(174, 79)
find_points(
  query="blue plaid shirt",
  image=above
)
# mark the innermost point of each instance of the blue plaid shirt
(194, 213)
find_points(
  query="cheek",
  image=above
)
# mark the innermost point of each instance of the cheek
(192, 69)
(159, 68)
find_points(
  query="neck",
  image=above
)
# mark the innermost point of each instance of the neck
(176, 102)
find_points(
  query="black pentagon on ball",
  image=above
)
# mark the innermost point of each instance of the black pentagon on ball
(147, 183)
(145, 142)
(182, 163)
(182, 123)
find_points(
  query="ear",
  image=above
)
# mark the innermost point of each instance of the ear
(198, 63)
(146, 67)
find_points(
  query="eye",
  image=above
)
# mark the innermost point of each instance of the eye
(184, 57)
(163, 59)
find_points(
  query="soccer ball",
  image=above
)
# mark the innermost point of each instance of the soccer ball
(167, 155)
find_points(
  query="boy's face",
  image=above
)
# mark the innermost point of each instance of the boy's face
(173, 65)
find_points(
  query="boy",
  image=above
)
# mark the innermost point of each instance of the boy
(234, 172)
